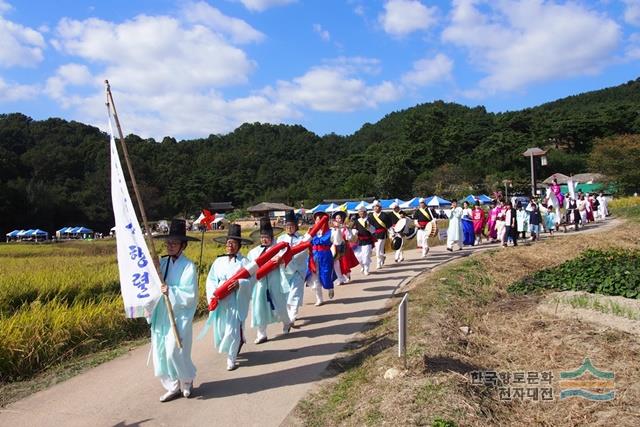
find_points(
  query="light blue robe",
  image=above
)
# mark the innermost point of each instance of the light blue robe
(228, 317)
(522, 219)
(271, 308)
(168, 360)
(294, 273)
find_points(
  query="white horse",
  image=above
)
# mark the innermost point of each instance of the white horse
(553, 200)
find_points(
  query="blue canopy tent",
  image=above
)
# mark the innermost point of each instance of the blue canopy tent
(411, 204)
(385, 204)
(24, 233)
(14, 233)
(353, 206)
(485, 199)
(435, 201)
(322, 207)
(83, 230)
(38, 234)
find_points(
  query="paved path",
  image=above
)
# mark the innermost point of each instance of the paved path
(271, 379)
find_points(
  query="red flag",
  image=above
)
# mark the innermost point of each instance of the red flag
(208, 219)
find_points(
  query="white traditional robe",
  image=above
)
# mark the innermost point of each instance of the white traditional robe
(228, 318)
(170, 363)
(294, 273)
(454, 232)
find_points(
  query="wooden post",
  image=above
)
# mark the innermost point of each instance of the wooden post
(112, 108)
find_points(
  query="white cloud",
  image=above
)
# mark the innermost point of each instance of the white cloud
(66, 75)
(335, 89)
(633, 47)
(155, 54)
(10, 92)
(19, 45)
(166, 76)
(518, 43)
(401, 17)
(4, 7)
(261, 5)
(429, 70)
(237, 29)
(324, 34)
(632, 12)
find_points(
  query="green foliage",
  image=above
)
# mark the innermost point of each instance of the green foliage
(614, 272)
(617, 158)
(55, 173)
(439, 422)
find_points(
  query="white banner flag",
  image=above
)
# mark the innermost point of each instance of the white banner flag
(571, 186)
(139, 280)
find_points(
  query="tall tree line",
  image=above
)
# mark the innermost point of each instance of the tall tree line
(55, 172)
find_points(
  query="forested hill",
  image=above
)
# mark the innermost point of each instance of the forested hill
(55, 173)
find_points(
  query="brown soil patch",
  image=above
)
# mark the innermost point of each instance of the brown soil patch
(507, 335)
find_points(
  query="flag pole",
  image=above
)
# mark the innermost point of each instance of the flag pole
(112, 108)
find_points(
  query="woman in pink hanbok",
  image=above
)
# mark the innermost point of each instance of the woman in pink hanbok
(491, 222)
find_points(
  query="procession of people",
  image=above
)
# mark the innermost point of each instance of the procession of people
(334, 246)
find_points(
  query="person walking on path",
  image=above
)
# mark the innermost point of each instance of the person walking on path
(381, 221)
(365, 240)
(510, 225)
(171, 364)
(422, 217)
(294, 272)
(478, 216)
(522, 218)
(454, 232)
(270, 293)
(321, 273)
(229, 316)
(534, 220)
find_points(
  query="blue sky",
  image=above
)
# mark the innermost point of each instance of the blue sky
(193, 68)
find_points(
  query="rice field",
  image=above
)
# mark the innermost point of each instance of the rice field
(63, 300)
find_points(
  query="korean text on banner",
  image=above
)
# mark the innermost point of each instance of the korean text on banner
(139, 280)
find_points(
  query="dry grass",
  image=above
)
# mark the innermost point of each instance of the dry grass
(507, 334)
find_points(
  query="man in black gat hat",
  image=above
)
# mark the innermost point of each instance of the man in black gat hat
(228, 318)
(172, 364)
(294, 273)
(270, 293)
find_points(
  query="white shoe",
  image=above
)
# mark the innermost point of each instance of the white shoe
(170, 395)
(366, 272)
(318, 303)
(187, 390)
(231, 365)
(260, 340)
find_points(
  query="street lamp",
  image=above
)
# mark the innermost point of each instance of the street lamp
(535, 152)
(506, 193)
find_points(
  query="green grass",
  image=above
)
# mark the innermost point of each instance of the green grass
(592, 302)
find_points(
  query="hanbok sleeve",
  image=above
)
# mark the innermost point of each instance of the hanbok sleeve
(213, 280)
(185, 295)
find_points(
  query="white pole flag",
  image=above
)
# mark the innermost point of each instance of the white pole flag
(571, 186)
(139, 280)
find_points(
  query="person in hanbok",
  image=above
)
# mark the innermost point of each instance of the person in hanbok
(550, 220)
(510, 225)
(582, 209)
(421, 218)
(558, 192)
(491, 223)
(590, 208)
(321, 273)
(454, 231)
(381, 222)
(172, 365)
(500, 218)
(603, 206)
(468, 237)
(228, 318)
(478, 216)
(573, 214)
(345, 259)
(270, 293)
(294, 272)
(364, 233)
(395, 216)
(534, 220)
(522, 218)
